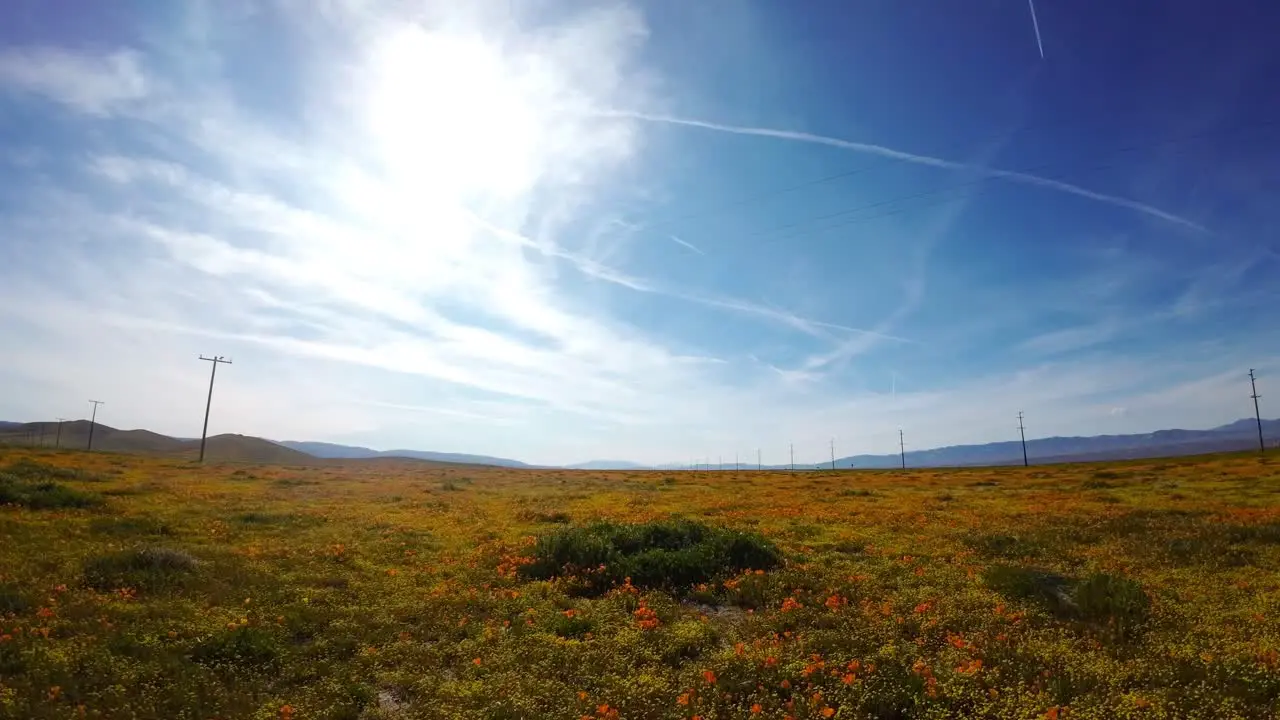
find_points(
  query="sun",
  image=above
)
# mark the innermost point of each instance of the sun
(451, 115)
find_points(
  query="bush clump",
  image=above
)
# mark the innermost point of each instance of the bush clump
(671, 555)
(1119, 603)
(146, 569)
(1042, 587)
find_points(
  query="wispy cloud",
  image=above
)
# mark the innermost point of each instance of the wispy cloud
(882, 151)
(1071, 339)
(98, 85)
(1035, 23)
(686, 244)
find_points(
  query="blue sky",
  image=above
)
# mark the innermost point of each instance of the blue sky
(654, 231)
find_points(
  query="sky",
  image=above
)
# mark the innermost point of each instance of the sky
(656, 231)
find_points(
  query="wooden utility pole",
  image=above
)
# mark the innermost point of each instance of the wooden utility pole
(1257, 414)
(902, 449)
(1023, 432)
(209, 402)
(93, 419)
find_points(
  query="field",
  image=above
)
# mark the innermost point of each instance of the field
(153, 588)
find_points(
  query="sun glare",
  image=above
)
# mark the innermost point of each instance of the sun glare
(450, 115)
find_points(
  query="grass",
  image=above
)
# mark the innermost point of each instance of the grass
(399, 590)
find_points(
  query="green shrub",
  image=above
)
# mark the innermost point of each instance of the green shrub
(42, 494)
(244, 648)
(12, 601)
(672, 555)
(1042, 587)
(1119, 602)
(146, 569)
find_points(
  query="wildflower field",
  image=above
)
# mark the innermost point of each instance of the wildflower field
(135, 587)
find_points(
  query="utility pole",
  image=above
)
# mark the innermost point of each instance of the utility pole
(720, 462)
(57, 441)
(833, 453)
(759, 465)
(1023, 432)
(92, 419)
(1257, 414)
(735, 462)
(212, 374)
(793, 457)
(902, 448)
(42, 429)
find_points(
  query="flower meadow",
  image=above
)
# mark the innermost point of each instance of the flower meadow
(148, 587)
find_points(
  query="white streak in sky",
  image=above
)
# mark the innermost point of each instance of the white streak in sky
(1036, 24)
(882, 151)
(687, 244)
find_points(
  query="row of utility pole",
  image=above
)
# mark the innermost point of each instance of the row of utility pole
(93, 417)
(1022, 434)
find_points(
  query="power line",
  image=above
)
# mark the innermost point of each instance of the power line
(1257, 414)
(92, 419)
(213, 361)
(902, 449)
(1023, 432)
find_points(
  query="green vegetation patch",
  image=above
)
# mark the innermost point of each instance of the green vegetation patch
(671, 555)
(1119, 603)
(150, 569)
(12, 600)
(37, 494)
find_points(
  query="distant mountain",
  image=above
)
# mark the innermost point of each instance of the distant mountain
(1239, 435)
(218, 448)
(332, 450)
(608, 465)
(1236, 436)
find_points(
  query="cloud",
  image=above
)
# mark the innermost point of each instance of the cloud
(687, 244)
(1070, 339)
(882, 151)
(94, 84)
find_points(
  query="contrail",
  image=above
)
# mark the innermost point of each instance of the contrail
(1036, 24)
(882, 151)
(687, 244)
